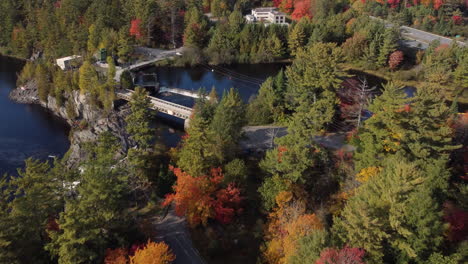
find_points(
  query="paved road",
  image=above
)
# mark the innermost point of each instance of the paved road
(173, 230)
(416, 38)
(152, 56)
(261, 138)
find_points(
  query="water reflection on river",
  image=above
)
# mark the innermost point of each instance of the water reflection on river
(26, 130)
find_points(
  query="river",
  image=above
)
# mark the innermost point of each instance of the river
(31, 131)
(26, 130)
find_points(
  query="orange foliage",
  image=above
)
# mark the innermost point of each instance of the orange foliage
(116, 256)
(287, 224)
(153, 253)
(281, 151)
(201, 198)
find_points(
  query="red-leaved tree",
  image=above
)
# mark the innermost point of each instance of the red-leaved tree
(458, 222)
(438, 4)
(301, 9)
(345, 255)
(201, 198)
(227, 204)
(135, 29)
(395, 59)
(393, 3)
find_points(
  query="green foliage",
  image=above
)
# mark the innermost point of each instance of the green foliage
(88, 78)
(388, 46)
(126, 81)
(196, 155)
(235, 171)
(310, 247)
(461, 72)
(392, 216)
(124, 48)
(43, 83)
(382, 132)
(297, 38)
(27, 202)
(312, 83)
(111, 71)
(228, 120)
(97, 215)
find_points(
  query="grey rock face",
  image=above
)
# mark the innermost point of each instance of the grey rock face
(96, 120)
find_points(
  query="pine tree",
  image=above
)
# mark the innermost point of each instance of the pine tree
(97, 215)
(111, 71)
(27, 202)
(296, 39)
(461, 73)
(383, 132)
(138, 122)
(388, 46)
(124, 48)
(312, 84)
(88, 78)
(228, 120)
(140, 130)
(260, 110)
(392, 216)
(196, 155)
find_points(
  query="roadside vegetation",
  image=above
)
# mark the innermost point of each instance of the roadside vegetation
(395, 192)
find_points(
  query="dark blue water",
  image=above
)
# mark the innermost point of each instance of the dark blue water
(26, 130)
(245, 78)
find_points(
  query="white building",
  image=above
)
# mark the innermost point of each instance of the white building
(69, 62)
(269, 15)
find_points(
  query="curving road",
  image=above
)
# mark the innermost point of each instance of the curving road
(172, 229)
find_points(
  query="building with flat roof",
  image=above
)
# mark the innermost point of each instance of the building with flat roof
(269, 15)
(69, 62)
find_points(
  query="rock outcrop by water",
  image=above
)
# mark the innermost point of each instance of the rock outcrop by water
(87, 122)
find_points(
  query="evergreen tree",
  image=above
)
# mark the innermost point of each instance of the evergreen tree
(138, 122)
(392, 216)
(461, 72)
(88, 78)
(196, 155)
(97, 216)
(111, 71)
(140, 130)
(228, 120)
(124, 48)
(383, 132)
(388, 46)
(296, 39)
(312, 84)
(26, 204)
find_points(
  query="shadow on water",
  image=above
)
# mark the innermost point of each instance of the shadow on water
(26, 130)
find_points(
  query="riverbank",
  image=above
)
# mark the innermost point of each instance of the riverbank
(85, 121)
(458, 93)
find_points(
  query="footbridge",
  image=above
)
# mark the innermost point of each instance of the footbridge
(160, 105)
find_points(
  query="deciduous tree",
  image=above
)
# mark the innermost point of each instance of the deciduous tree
(153, 253)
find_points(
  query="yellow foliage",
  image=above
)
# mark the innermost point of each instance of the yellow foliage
(365, 174)
(338, 201)
(153, 253)
(287, 224)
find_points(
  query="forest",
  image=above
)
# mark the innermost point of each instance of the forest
(395, 192)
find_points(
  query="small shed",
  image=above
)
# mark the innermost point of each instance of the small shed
(69, 62)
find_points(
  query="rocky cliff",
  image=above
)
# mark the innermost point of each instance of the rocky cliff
(86, 121)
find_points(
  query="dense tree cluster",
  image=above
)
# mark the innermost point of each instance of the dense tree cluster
(393, 191)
